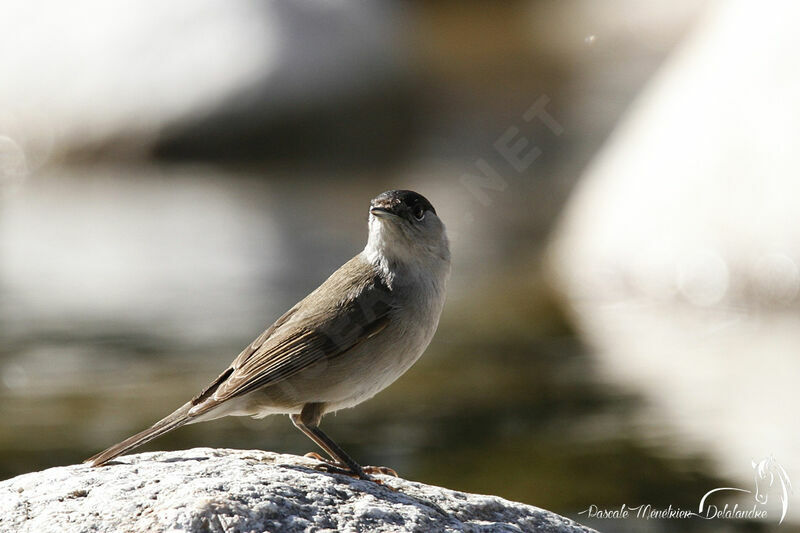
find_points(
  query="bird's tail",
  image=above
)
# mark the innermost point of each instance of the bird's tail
(170, 422)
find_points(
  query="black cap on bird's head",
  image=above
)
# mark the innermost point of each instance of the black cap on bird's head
(408, 205)
(404, 227)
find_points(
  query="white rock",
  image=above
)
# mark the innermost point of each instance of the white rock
(244, 490)
(679, 251)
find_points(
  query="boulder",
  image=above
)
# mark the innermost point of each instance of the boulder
(214, 490)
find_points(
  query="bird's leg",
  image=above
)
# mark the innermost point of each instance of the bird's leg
(308, 422)
(341, 457)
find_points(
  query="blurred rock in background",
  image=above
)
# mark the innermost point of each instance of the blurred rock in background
(679, 251)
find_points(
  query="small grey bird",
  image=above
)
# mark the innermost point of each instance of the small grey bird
(346, 341)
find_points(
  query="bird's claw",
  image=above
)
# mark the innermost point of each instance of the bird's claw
(385, 470)
(318, 457)
(336, 468)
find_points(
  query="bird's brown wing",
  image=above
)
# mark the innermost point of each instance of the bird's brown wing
(318, 328)
(243, 356)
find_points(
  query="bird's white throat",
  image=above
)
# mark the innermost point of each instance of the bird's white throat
(390, 249)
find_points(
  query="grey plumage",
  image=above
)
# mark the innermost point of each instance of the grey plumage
(347, 340)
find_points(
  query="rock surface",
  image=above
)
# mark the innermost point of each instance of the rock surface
(213, 490)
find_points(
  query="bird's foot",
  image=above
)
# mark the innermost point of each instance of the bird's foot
(318, 457)
(362, 473)
(333, 467)
(385, 470)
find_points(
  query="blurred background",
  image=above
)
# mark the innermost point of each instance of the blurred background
(619, 181)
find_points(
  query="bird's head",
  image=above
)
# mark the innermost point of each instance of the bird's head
(404, 227)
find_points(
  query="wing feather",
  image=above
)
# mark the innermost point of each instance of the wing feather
(319, 327)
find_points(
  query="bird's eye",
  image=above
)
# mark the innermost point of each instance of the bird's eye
(419, 212)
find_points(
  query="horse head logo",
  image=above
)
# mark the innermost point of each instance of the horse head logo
(769, 473)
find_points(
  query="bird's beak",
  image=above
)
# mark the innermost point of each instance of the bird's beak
(381, 212)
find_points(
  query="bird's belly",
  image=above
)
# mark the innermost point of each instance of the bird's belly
(357, 375)
(375, 372)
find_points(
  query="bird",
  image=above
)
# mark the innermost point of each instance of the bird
(350, 338)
